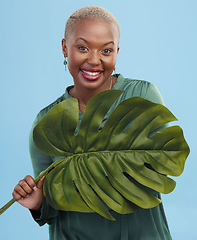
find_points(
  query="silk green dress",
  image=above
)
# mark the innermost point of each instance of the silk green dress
(144, 224)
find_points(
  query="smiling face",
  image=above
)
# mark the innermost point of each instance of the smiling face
(92, 49)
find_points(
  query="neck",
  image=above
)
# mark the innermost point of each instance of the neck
(84, 95)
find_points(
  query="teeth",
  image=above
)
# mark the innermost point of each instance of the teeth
(91, 73)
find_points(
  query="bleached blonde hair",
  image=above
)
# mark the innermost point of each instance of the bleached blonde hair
(89, 12)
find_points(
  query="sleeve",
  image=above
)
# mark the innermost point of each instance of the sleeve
(40, 162)
(151, 93)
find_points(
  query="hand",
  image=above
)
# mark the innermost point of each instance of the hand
(28, 193)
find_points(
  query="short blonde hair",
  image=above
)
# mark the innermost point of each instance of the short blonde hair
(89, 12)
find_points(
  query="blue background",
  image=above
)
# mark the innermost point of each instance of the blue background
(158, 44)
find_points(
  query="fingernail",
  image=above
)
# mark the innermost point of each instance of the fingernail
(34, 188)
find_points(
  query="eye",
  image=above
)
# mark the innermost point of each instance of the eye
(107, 51)
(83, 48)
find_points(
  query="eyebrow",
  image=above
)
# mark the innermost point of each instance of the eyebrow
(109, 43)
(87, 41)
(82, 39)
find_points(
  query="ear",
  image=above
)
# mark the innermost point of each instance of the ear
(64, 48)
(118, 48)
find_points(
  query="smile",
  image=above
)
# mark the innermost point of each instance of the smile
(91, 73)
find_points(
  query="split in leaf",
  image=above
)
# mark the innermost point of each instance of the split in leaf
(99, 164)
(116, 163)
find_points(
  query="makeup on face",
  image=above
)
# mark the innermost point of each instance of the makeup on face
(91, 52)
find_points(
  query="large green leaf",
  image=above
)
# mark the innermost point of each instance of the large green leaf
(115, 165)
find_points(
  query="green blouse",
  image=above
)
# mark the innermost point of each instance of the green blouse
(144, 224)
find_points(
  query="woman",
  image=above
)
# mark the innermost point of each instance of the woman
(90, 48)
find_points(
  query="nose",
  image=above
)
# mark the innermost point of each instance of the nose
(94, 58)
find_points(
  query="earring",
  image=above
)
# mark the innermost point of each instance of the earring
(114, 71)
(65, 62)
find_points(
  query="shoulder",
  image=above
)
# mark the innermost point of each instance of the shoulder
(51, 105)
(42, 113)
(139, 88)
(130, 84)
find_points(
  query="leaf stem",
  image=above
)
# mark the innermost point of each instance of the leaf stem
(7, 205)
(42, 174)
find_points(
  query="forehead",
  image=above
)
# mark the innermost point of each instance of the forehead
(98, 29)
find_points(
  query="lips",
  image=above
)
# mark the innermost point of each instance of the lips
(91, 74)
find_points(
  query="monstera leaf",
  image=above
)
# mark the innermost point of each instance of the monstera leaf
(113, 162)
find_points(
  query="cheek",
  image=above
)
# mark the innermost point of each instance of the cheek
(74, 61)
(111, 63)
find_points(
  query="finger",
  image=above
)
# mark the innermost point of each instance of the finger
(20, 191)
(16, 195)
(30, 181)
(25, 186)
(40, 182)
